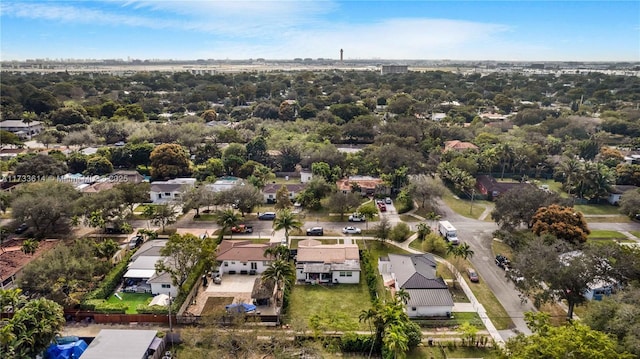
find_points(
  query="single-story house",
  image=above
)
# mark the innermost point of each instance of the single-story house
(327, 263)
(429, 295)
(488, 186)
(171, 190)
(459, 146)
(125, 344)
(124, 176)
(617, 191)
(242, 257)
(598, 288)
(368, 185)
(305, 176)
(142, 271)
(22, 129)
(438, 116)
(224, 184)
(270, 189)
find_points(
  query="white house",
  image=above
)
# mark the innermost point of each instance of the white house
(171, 190)
(224, 184)
(305, 176)
(22, 129)
(327, 263)
(416, 274)
(142, 275)
(242, 257)
(269, 191)
(617, 191)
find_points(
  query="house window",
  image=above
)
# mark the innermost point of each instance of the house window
(233, 262)
(226, 264)
(265, 263)
(270, 196)
(343, 274)
(166, 286)
(167, 194)
(244, 264)
(413, 309)
(349, 274)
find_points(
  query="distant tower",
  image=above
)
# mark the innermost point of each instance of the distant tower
(341, 51)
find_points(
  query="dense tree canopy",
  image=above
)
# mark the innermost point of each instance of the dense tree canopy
(169, 161)
(563, 222)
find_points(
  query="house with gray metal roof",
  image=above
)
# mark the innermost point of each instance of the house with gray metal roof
(429, 295)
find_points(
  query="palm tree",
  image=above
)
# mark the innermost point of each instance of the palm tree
(465, 251)
(226, 219)
(396, 341)
(571, 169)
(30, 246)
(278, 252)
(282, 273)
(422, 230)
(286, 220)
(403, 296)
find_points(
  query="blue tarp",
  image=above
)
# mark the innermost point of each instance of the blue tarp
(240, 307)
(66, 351)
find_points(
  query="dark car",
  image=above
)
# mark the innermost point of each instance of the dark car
(315, 231)
(502, 261)
(21, 228)
(267, 216)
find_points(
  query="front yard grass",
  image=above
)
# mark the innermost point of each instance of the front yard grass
(463, 207)
(596, 209)
(494, 308)
(332, 308)
(132, 300)
(501, 248)
(597, 234)
(608, 219)
(635, 233)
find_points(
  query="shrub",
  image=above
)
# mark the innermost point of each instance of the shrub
(369, 273)
(102, 306)
(110, 281)
(400, 232)
(153, 309)
(355, 343)
(433, 243)
(196, 273)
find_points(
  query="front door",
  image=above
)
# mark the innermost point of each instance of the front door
(254, 265)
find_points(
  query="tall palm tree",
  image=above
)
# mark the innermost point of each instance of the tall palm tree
(396, 341)
(571, 169)
(403, 296)
(278, 252)
(287, 220)
(463, 251)
(281, 272)
(226, 219)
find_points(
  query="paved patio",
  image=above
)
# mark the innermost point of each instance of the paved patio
(233, 285)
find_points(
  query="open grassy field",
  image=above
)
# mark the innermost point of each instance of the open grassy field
(132, 300)
(335, 307)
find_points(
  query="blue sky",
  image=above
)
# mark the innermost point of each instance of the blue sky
(184, 30)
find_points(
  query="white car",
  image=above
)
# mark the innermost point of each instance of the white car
(356, 217)
(351, 230)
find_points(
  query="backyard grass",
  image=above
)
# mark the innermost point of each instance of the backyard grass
(379, 249)
(635, 233)
(335, 307)
(132, 300)
(295, 241)
(606, 234)
(553, 186)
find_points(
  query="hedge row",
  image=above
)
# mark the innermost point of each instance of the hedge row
(369, 274)
(196, 273)
(102, 306)
(154, 309)
(110, 282)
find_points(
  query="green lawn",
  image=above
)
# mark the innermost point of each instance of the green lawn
(635, 233)
(463, 207)
(131, 299)
(596, 209)
(379, 249)
(606, 234)
(498, 247)
(553, 186)
(335, 307)
(608, 219)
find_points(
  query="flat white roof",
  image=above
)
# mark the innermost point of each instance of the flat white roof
(140, 273)
(120, 344)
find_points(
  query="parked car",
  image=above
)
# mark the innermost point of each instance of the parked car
(136, 242)
(21, 228)
(242, 228)
(315, 231)
(387, 200)
(356, 217)
(473, 276)
(382, 207)
(502, 262)
(267, 216)
(351, 230)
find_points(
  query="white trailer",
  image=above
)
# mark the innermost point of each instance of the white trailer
(448, 232)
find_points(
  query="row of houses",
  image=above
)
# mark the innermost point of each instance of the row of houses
(337, 264)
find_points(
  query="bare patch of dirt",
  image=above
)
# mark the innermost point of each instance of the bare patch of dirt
(12, 259)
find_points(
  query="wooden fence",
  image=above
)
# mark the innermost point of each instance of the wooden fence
(100, 318)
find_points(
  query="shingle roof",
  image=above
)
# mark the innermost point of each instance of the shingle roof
(242, 251)
(274, 187)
